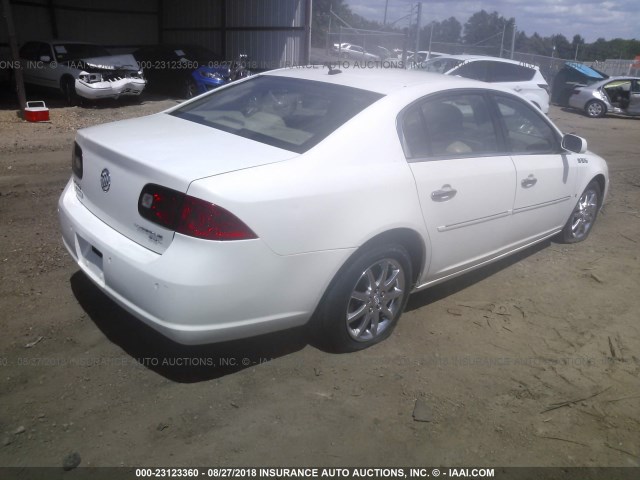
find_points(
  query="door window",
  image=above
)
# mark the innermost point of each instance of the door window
(29, 51)
(44, 51)
(508, 72)
(473, 70)
(526, 131)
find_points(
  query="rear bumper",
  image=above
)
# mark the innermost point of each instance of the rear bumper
(110, 89)
(197, 291)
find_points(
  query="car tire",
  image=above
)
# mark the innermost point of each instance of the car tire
(364, 302)
(595, 109)
(190, 89)
(583, 216)
(69, 91)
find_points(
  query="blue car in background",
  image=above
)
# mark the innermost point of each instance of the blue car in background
(186, 71)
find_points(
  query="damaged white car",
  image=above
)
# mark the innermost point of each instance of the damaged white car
(81, 70)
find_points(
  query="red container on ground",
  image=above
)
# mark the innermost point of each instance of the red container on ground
(36, 112)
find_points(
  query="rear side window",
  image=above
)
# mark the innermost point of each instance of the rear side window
(508, 72)
(450, 126)
(288, 113)
(473, 70)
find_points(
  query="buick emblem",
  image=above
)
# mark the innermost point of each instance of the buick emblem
(105, 180)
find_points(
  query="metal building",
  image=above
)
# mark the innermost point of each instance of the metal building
(273, 33)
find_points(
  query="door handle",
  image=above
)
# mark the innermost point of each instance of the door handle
(444, 194)
(528, 182)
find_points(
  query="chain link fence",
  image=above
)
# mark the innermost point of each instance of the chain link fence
(396, 50)
(618, 67)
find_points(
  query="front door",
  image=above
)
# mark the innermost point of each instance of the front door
(546, 175)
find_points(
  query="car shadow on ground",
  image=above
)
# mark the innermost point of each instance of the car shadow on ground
(191, 364)
(609, 114)
(457, 284)
(176, 362)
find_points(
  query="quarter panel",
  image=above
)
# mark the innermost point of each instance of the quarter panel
(349, 188)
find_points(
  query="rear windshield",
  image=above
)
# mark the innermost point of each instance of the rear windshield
(287, 113)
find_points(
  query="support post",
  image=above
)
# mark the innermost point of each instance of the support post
(513, 39)
(418, 22)
(15, 56)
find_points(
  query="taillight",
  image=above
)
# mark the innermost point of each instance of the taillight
(76, 160)
(189, 215)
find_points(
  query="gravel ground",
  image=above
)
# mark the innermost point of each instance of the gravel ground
(532, 361)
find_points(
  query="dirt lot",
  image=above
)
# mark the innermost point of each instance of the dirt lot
(483, 359)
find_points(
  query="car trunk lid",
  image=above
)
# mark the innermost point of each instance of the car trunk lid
(120, 158)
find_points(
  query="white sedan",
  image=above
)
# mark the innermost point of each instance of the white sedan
(318, 196)
(81, 70)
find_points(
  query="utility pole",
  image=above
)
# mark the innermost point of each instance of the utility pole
(386, 7)
(418, 22)
(329, 45)
(504, 27)
(513, 39)
(15, 56)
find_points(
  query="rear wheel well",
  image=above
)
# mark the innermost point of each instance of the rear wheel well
(400, 249)
(407, 238)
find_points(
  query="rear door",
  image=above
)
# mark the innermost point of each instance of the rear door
(464, 181)
(546, 174)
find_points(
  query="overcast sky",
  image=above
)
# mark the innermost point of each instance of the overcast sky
(590, 18)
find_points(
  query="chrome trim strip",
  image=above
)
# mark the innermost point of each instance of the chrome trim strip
(540, 205)
(446, 228)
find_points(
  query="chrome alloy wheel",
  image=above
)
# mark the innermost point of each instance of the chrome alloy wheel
(595, 109)
(584, 214)
(376, 300)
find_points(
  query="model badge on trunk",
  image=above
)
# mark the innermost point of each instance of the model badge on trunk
(105, 180)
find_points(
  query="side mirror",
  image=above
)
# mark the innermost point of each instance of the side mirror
(45, 58)
(574, 143)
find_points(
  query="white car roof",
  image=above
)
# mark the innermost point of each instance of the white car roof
(473, 58)
(383, 80)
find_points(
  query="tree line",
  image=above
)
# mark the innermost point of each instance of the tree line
(482, 31)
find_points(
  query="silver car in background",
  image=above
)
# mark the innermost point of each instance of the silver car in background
(354, 52)
(619, 95)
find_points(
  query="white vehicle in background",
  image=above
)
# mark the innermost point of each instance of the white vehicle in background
(81, 70)
(524, 78)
